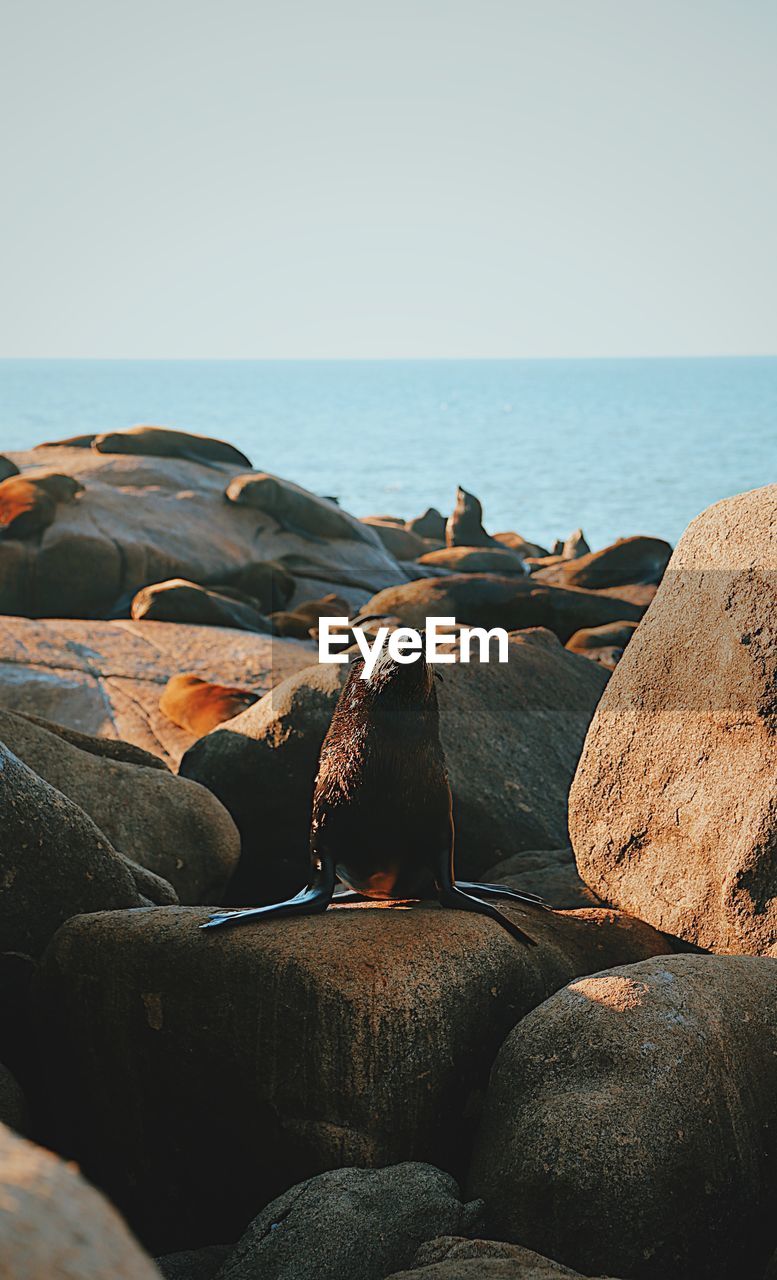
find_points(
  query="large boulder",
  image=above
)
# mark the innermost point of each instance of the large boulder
(54, 1226)
(349, 1224)
(144, 519)
(629, 1122)
(488, 600)
(629, 560)
(512, 733)
(106, 678)
(169, 825)
(230, 1064)
(54, 861)
(672, 813)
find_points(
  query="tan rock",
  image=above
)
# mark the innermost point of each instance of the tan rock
(549, 872)
(358, 1037)
(54, 1226)
(628, 1122)
(145, 519)
(629, 560)
(399, 541)
(105, 678)
(672, 811)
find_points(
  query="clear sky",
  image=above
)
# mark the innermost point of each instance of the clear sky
(272, 178)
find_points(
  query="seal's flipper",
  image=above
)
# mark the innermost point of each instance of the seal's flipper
(312, 900)
(504, 891)
(289, 527)
(348, 895)
(452, 896)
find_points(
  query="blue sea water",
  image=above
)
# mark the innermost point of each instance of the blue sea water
(617, 446)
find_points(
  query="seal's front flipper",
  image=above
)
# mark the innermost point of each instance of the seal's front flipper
(503, 891)
(288, 526)
(452, 896)
(307, 903)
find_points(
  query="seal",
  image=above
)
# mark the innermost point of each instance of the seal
(382, 822)
(28, 503)
(178, 600)
(296, 510)
(199, 706)
(298, 624)
(465, 523)
(161, 442)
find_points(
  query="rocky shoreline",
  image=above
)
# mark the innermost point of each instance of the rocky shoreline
(374, 1092)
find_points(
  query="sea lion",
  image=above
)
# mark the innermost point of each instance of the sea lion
(162, 442)
(465, 524)
(296, 510)
(575, 546)
(178, 600)
(266, 582)
(28, 503)
(629, 561)
(69, 442)
(382, 821)
(7, 468)
(429, 525)
(199, 706)
(297, 624)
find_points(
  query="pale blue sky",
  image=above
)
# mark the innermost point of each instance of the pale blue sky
(268, 178)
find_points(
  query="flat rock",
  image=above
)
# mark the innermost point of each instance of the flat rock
(173, 827)
(54, 1226)
(144, 519)
(511, 732)
(629, 1122)
(230, 1064)
(106, 678)
(349, 1224)
(672, 812)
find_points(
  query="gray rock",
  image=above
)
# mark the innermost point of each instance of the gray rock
(193, 1264)
(350, 1224)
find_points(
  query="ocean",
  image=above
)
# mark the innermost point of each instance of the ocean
(618, 447)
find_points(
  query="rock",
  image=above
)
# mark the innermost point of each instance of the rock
(457, 1258)
(672, 813)
(349, 1224)
(464, 527)
(194, 1264)
(228, 1065)
(549, 872)
(172, 827)
(628, 1125)
(474, 560)
(179, 601)
(18, 1049)
(602, 644)
(629, 560)
(13, 1107)
(512, 733)
(486, 600)
(54, 861)
(146, 519)
(575, 546)
(54, 1226)
(429, 525)
(161, 442)
(398, 540)
(516, 543)
(105, 678)
(592, 639)
(199, 705)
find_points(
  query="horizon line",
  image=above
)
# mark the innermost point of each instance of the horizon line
(396, 359)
